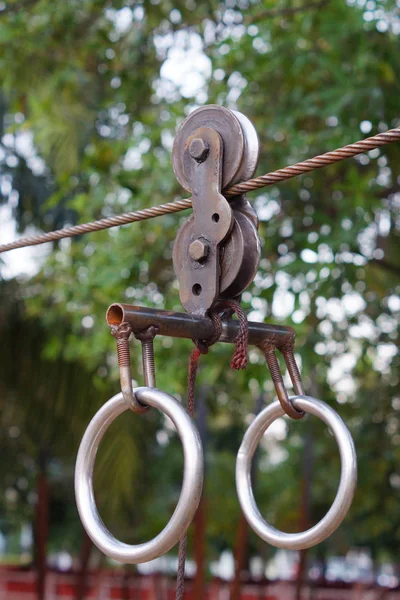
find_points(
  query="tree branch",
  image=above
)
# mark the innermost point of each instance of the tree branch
(386, 265)
(17, 6)
(285, 12)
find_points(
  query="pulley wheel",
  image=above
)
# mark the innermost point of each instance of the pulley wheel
(240, 143)
(239, 258)
(251, 149)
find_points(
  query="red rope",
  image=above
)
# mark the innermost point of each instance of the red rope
(240, 356)
(239, 361)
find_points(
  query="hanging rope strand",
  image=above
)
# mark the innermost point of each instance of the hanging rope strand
(201, 348)
(239, 361)
(388, 137)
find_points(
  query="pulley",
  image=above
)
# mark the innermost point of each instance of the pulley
(216, 256)
(217, 250)
(240, 141)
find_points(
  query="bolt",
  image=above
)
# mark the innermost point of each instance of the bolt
(293, 370)
(198, 149)
(146, 337)
(148, 363)
(121, 333)
(198, 250)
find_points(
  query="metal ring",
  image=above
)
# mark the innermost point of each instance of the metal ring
(191, 487)
(348, 476)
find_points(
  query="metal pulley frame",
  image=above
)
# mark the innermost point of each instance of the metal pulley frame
(217, 250)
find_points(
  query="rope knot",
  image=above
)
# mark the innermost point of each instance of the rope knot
(240, 356)
(204, 345)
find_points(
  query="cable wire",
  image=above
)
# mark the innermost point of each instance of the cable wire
(322, 160)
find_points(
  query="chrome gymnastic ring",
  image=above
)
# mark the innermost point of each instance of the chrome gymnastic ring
(191, 487)
(345, 493)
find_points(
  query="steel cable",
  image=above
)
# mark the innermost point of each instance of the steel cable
(388, 137)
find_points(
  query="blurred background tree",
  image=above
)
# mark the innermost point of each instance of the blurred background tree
(92, 92)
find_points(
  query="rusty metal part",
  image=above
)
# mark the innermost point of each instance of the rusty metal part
(198, 149)
(240, 140)
(267, 338)
(268, 350)
(293, 369)
(199, 249)
(146, 337)
(251, 148)
(240, 252)
(241, 203)
(182, 325)
(376, 141)
(211, 223)
(211, 260)
(121, 332)
(227, 125)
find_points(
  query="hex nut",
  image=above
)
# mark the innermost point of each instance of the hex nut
(198, 250)
(198, 149)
